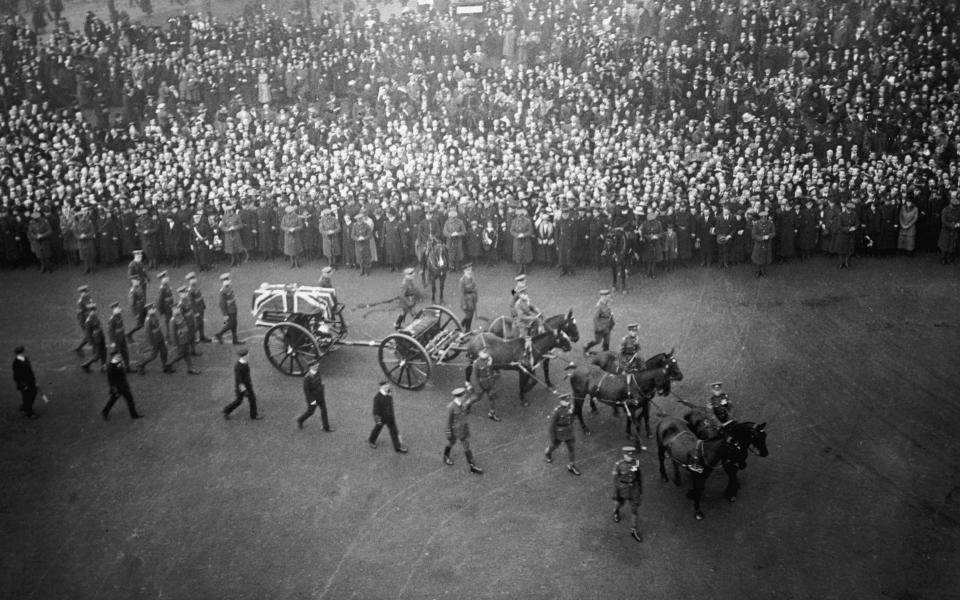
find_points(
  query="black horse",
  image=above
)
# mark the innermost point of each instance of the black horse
(616, 253)
(634, 390)
(559, 331)
(435, 262)
(701, 457)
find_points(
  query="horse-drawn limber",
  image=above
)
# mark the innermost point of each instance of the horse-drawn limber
(304, 323)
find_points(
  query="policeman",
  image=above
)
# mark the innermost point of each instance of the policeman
(83, 302)
(228, 307)
(138, 306)
(468, 296)
(94, 333)
(459, 429)
(602, 323)
(157, 341)
(315, 396)
(165, 301)
(719, 403)
(561, 430)
(197, 308)
(410, 296)
(482, 379)
(628, 487)
(117, 335)
(630, 359)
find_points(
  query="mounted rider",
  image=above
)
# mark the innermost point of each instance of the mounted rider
(630, 359)
(527, 321)
(719, 404)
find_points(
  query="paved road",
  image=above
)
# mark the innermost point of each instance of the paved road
(855, 371)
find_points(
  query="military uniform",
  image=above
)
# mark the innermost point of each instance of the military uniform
(138, 307)
(165, 306)
(182, 337)
(628, 487)
(468, 300)
(83, 302)
(630, 358)
(242, 387)
(603, 323)
(228, 307)
(158, 343)
(561, 431)
(410, 296)
(458, 428)
(198, 307)
(96, 338)
(483, 377)
(719, 404)
(136, 269)
(118, 337)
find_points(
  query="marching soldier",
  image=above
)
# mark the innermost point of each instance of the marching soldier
(410, 296)
(719, 403)
(228, 307)
(157, 340)
(243, 387)
(119, 386)
(628, 487)
(561, 430)
(468, 296)
(482, 379)
(197, 307)
(165, 302)
(602, 323)
(630, 350)
(459, 429)
(136, 269)
(186, 310)
(138, 306)
(313, 392)
(182, 338)
(83, 303)
(94, 331)
(117, 335)
(383, 416)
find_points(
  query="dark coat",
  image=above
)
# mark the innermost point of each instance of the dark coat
(949, 226)
(565, 234)
(762, 248)
(86, 235)
(393, 242)
(787, 227)
(383, 408)
(684, 227)
(522, 233)
(241, 374)
(808, 229)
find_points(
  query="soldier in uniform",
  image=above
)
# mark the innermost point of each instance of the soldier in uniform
(231, 225)
(522, 232)
(454, 231)
(314, 394)
(410, 296)
(468, 296)
(186, 309)
(719, 403)
(165, 302)
(200, 236)
(561, 430)
(119, 386)
(118, 335)
(138, 306)
(602, 323)
(228, 307)
(40, 234)
(136, 269)
(628, 487)
(630, 359)
(182, 337)
(83, 302)
(292, 228)
(482, 379)
(383, 416)
(242, 387)
(197, 306)
(360, 233)
(157, 340)
(95, 336)
(762, 233)
(459, 429)
(330, 236)
(528, 319)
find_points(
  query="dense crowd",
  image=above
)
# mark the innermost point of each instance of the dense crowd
(523, 134)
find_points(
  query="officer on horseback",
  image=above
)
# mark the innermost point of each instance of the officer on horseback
(719, 404)
(630, 359)
(410, 296)
(519, 286)
(628, 487)
(527, 322)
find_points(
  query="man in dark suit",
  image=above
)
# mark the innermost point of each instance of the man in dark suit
(26, 381)
(313, 392)
(243, 387)
(119, 386)
(383, 415)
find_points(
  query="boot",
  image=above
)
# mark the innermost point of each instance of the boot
(446, 456)
(636, 534)
(492, 415)
(473, 467)
(573, 469)
(547, 456)
(616, 515)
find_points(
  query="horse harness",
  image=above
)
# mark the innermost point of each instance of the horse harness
(699, 464)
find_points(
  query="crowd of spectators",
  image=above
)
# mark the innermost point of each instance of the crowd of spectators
(558, 119)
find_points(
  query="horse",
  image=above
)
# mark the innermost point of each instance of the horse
(700, 423)
(559, 331)
(616, 252)
(435, 262)
(701, 457)
(617, 389)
